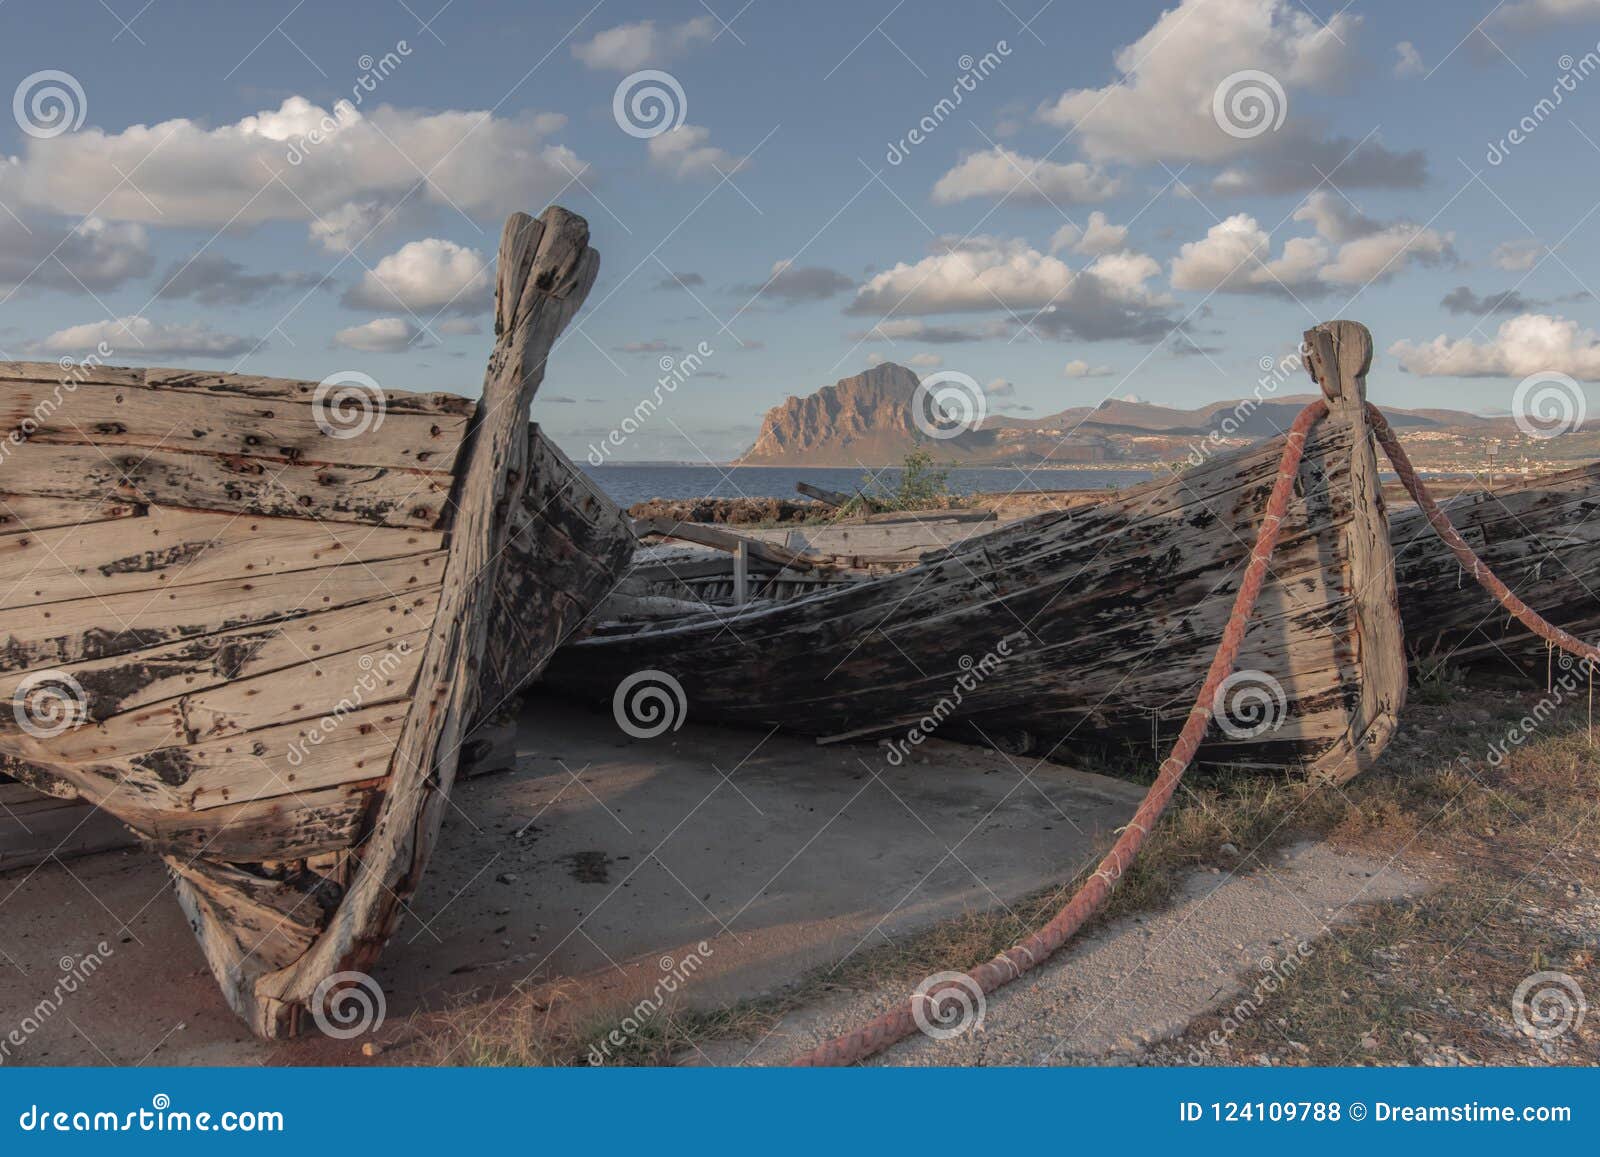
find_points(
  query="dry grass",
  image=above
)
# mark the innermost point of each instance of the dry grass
(1511, 845)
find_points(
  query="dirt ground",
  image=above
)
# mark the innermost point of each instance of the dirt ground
(720, 896)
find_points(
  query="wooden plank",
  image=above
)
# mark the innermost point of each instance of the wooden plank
(369, 494)
(225, 385)
(111, 416)
(175, 548)
(95, 628)
(139, 679)
(35, 831)
(286, 760)
(375, 672)
(279, 829)
(720, 539)
(24, 513)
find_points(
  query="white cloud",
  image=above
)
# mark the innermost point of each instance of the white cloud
(1000, 388)
(1410, 60)
(382, 335)
(1529, 344)
(92, 256)
(1531, 15)
(631, 46)
(988, 273)
(425, 276)
(1000, 172)
(458, 326)
(1078, 368)
(982, 274)
(1235, 255)
(183, 174)
(1160, 108)
(1517, 256)
(139, 337)
(916, 329)
(925, 361)
(1097, 237)
(685, 152)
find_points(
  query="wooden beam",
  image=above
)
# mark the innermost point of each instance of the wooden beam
(720, 539)
(830, 497)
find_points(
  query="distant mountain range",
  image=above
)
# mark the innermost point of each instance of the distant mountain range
(867, 420)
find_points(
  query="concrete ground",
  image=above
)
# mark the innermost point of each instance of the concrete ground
(600, 864)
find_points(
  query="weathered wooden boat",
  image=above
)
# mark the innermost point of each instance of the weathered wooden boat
(1541, 536)
(1093, 625)
(251, 619)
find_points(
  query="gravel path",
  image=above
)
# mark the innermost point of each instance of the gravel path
(1135, 981)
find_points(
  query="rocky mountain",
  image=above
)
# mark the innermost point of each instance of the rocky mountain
(866, 420)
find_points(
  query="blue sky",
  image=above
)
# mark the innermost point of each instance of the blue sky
(1084, 206)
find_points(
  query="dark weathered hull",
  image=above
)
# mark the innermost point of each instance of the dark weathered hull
(1542, 537)
(1090, 626)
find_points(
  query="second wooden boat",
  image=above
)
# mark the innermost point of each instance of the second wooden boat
(1090, 626)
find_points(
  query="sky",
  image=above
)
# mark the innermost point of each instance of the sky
(1063, 201)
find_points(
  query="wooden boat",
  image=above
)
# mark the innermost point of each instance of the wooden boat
(1094, 625)
(251, 620)
(1541, 536)
(567, 545)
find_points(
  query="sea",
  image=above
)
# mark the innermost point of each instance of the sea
(626, 484)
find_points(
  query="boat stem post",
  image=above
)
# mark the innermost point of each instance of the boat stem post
(1338, 355)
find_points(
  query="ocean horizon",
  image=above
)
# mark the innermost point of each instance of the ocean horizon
(627, 483)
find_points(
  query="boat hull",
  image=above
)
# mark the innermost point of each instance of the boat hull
(1093, 626)
(246, 616)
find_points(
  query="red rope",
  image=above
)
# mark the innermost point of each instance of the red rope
(899, 1023)
(1464, 554)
